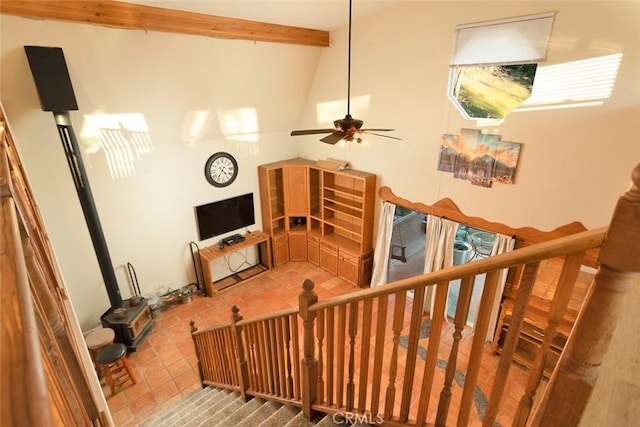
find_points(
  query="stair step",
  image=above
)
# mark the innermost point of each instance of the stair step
(192, 399)
(182, 413)
(280, 417)
(245, 411)
(260, 415)
(211, 410)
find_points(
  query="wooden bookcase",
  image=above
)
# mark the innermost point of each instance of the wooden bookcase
(326, 216)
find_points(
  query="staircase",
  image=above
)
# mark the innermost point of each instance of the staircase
(211, 407)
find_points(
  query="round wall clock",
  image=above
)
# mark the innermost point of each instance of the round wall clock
(221, 169)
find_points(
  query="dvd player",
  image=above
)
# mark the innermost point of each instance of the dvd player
(236, 238)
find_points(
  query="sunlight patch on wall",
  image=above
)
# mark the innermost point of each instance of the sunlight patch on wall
(196, 125)
(584, 83)
(240, 124)
(123, 138)
(327, 112)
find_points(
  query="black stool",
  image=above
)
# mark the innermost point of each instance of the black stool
(115, 366)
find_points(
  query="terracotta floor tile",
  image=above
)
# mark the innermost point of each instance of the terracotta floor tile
(143, 403)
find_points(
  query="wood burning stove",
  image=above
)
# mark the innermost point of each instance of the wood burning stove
(131, 327)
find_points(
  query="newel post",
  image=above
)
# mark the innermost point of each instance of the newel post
(241, 360)
(575, 377)
(194, 329)
(309, 363)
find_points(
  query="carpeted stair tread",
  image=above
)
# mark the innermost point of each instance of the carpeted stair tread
(211, 410)
(246, 410)
(190, 402)
(184, 414)
(260, 415)
(280, 417)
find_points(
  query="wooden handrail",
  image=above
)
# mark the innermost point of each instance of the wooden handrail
(22, 369)
(554, 248)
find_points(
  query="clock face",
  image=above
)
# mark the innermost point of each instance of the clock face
(221, 169)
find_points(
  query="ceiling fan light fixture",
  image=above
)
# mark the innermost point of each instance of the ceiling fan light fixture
(345, 129)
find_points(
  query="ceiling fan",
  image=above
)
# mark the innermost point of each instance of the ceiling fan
(347, 129)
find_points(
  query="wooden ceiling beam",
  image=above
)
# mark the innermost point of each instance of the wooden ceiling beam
(135, 16)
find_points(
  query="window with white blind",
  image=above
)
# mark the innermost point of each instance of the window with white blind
(494, 64)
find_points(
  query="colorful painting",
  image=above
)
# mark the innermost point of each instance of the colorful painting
(479, 158)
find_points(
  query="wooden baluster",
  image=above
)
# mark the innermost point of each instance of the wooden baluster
(575, 376)
(252, 359)
(564, 289)
(194, 329)
(309, 363)
(340, 342)
(365, 354)
(412, 353)
(272, 352)
(264, 360)
(378, 357)
(280, 366)
(437, 321)
(477, 346)
(459, 321)
(330, 354)
(510, 341)
(296, 358)
(217, 356)
(353, 330)
(241, 361)
(398, 317)
(320, 379)
(287, 341)
(233, 371)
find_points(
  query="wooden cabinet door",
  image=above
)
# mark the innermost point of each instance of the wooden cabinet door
(298, 246)
(329, 257)
(313, 250)
(296, 191)
(349, 267)
(280, 250)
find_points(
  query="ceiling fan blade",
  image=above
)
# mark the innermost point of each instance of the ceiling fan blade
(334, 138)
(377, 130)
(310, 131)
(379, 134)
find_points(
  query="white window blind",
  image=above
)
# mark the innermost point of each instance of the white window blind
(508, 41)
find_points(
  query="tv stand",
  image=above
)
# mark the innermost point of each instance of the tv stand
(210, 253)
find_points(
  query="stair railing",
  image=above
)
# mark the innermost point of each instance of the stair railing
(372, 355)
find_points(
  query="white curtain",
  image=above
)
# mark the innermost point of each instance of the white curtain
(380, 274)
(441, 233)
(501, 245)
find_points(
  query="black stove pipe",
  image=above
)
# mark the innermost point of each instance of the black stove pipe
(53, 83)
(76, 166)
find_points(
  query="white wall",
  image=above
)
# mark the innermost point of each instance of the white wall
(148, 218)
(574, 165)
(575, 162)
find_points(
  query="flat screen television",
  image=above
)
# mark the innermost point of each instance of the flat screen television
(224, 216)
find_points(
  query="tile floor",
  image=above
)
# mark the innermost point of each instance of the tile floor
(164, 363)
